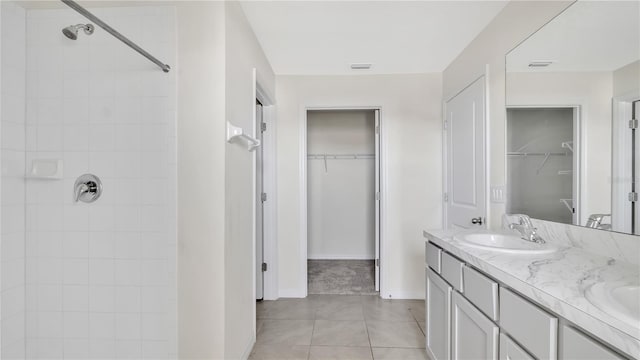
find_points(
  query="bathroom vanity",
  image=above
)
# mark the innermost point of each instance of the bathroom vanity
(493, 298)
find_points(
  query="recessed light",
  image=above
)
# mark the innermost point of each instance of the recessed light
(540, 63)
(360, 66)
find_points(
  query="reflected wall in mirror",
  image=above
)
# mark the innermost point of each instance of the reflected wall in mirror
(573, 92)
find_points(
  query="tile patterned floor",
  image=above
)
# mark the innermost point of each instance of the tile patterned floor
(340, 327)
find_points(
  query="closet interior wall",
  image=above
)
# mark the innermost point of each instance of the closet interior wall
(341, 213)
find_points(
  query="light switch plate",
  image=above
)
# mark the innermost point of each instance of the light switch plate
(498, 194)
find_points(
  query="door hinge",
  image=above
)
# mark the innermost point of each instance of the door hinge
(264, 266)
(263, 126)
(633, 196)
(377, 262)
(377, 195)
(446, 124)
(445, 197)
(633, 124)
(263, 197)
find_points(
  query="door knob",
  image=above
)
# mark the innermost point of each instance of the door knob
(477, 221)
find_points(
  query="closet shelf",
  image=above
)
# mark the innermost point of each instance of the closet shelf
(235, 132)
(523, 154)
(568, 203)
(567, 145)
(565, 172)
(340, 156)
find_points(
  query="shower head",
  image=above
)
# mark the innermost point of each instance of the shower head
(71, 31)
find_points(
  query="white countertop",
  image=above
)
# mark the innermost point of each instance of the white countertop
(558, 282)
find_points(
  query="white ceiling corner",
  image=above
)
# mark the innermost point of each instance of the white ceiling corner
(397, 37)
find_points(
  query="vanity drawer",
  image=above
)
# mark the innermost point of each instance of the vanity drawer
(481, 291)
(509, 350)
(452, 271)
(433, 255)
(529, 325)
(576, 345)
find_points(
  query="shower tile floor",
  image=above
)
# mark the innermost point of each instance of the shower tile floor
(340, 327)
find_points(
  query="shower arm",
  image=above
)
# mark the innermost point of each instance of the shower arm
(84, 12)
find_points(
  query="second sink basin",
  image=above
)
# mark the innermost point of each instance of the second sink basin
(620, 300)
(506, 243)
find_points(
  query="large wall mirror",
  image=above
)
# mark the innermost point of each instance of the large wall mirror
(573, 92)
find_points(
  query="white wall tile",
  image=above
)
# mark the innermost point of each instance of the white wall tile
(75, 298)
(102, 271)
(94, 268)
(102, 299)
(75, 271)
(76, 324)
(102, 325)
(128, 326)
(76, 348)
(128, 299)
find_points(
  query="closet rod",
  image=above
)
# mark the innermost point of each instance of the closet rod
(340, 156)
(537, 154)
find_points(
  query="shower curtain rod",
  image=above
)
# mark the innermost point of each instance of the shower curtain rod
(84, 12)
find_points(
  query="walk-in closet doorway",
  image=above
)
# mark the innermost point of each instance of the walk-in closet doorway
(342, 201)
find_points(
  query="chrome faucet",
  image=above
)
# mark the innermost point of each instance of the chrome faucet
(526, 229)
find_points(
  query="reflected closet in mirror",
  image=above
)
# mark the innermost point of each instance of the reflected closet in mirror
(572, 95)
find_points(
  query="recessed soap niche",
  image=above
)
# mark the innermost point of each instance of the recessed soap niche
(46, 169)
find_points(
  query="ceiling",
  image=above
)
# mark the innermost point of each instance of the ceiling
(588, 36)
(325, 37)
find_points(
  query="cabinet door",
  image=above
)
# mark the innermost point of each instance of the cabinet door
(438, 317)
(473, 335)
(576, 345)
(509, 350)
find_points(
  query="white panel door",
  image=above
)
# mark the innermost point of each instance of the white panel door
(473, 335)
(259, 207)
(377, 202)
(466, 158)
(438, 319)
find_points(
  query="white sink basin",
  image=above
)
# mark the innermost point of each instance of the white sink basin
(621, 301)
(505, 243)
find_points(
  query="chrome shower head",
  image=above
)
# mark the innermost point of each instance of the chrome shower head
(71, 31)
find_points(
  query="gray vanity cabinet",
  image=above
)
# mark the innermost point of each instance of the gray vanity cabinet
(509, 350)
(473, 335)
(438, 316)
(576, 345)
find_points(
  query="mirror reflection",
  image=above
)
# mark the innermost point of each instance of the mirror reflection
(573, 92)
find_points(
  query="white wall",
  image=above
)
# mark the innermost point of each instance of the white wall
(12, 105)
(592, 92)
(242, 53)
(412, 188)
(215, 184)
(201, 189)
(626, 79)
(513, 24)
(101, 276)
(341, 197)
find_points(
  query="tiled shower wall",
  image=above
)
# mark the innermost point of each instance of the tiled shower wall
(12, 105)
(100, 277)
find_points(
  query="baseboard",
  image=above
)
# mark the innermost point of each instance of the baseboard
(405, 295)
(340, 257)
(291, 293)
(247, 351)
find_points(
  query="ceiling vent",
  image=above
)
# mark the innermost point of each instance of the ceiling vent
(360, 66)
(540, 64)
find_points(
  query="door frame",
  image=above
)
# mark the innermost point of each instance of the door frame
(486, 149)
(303, 242)
(621, 160)
(577, 152)
(270, 245)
